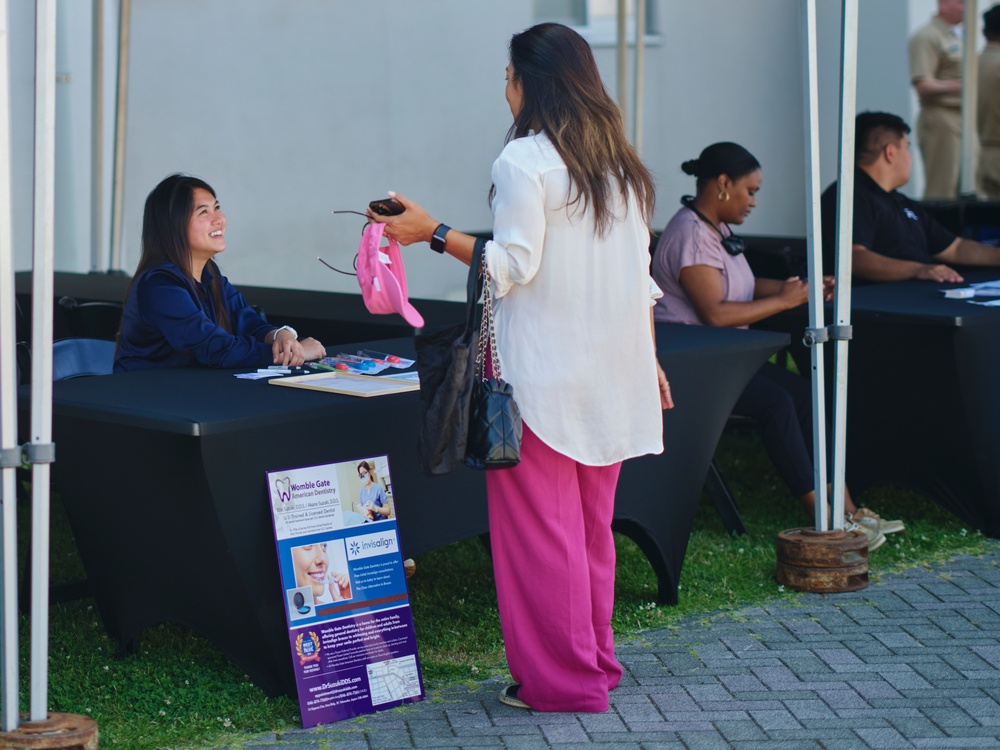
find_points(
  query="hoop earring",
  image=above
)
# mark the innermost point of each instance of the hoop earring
(723, 196)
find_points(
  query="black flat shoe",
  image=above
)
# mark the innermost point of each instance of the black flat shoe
(508, 696)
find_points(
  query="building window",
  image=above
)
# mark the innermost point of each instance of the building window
(595, 19)
(569, 12)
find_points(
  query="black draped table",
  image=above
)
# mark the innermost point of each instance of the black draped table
(162, 474)
(924, 396)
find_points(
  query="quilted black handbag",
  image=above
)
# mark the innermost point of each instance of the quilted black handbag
(446, 363)
(495, 429)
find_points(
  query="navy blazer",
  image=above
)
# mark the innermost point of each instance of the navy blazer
(170, 322)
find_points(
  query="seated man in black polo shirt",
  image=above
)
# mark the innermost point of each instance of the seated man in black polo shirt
(894, 237)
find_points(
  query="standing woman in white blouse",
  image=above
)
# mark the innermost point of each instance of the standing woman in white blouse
(569, 263)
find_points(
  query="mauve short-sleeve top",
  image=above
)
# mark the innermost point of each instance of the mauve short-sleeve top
(689, 241)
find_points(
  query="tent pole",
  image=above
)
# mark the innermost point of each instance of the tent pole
(97, 137)
(40, 451)
(970, 98)
(640, 71)
(620, 63)
(10, 453)
(118, 178)
(815, 267)
(845, 233)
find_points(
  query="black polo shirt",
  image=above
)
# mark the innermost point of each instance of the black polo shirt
(886, 223)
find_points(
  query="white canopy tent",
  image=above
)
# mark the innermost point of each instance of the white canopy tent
(41, 452)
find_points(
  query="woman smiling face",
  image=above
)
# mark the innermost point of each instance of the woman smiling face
(206, 232)
(311, 563)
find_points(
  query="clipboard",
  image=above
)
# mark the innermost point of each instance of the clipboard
(348, 384)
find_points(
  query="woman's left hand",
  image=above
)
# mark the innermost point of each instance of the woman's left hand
(829, 282)
(413, 225)
(312, 349)
(666, 398)
(286, 349)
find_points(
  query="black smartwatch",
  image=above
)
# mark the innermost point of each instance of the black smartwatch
(437, 240)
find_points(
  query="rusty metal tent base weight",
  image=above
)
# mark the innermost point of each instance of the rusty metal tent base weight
(822, 561)
(57, 732)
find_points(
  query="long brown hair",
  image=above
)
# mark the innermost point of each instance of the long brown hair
(165, 220)
(564, 97)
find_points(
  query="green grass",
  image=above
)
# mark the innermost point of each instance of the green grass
(178, 691)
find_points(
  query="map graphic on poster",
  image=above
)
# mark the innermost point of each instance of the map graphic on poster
(350, 629)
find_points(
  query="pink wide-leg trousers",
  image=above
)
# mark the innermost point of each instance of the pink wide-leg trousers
(554, 563)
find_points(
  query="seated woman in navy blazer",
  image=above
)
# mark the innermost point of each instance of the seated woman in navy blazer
(180, 311)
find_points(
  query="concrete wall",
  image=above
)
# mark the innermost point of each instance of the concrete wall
(292, 108)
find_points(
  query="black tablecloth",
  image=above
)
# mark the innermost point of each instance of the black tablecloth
(922, 394)
(923, 401)
(162, 475)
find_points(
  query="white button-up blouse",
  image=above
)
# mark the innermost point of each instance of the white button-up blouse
(572, 311)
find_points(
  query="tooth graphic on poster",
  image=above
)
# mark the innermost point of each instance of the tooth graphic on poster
(282, 487)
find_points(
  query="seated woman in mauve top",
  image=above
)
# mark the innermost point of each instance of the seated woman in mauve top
(706, 280)
(180, 311)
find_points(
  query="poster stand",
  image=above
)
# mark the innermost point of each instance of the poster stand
(350, 628)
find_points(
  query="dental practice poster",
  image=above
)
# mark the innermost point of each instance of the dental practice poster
(350, 629)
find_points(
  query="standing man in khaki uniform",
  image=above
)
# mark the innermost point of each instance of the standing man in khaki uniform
(936, 74)
(988, 114)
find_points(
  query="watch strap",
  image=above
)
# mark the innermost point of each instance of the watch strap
(286, 328)
(437, 240)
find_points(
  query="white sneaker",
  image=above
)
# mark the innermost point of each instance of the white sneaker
(875, 537)
(870, 519)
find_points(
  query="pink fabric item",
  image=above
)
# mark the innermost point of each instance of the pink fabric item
(382, 277)
(554, 564)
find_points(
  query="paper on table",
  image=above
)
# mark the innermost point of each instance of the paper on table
(348, 384)
(991, 303)
(257, 375)
(409, 377)
(959, 293)
(987, 288)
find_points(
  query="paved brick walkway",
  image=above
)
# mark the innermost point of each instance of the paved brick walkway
(913, 661)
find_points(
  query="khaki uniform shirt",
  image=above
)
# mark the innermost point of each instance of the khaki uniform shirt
(936, 52)
(988, 112)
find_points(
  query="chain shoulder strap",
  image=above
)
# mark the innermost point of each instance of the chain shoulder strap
(486, 330)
